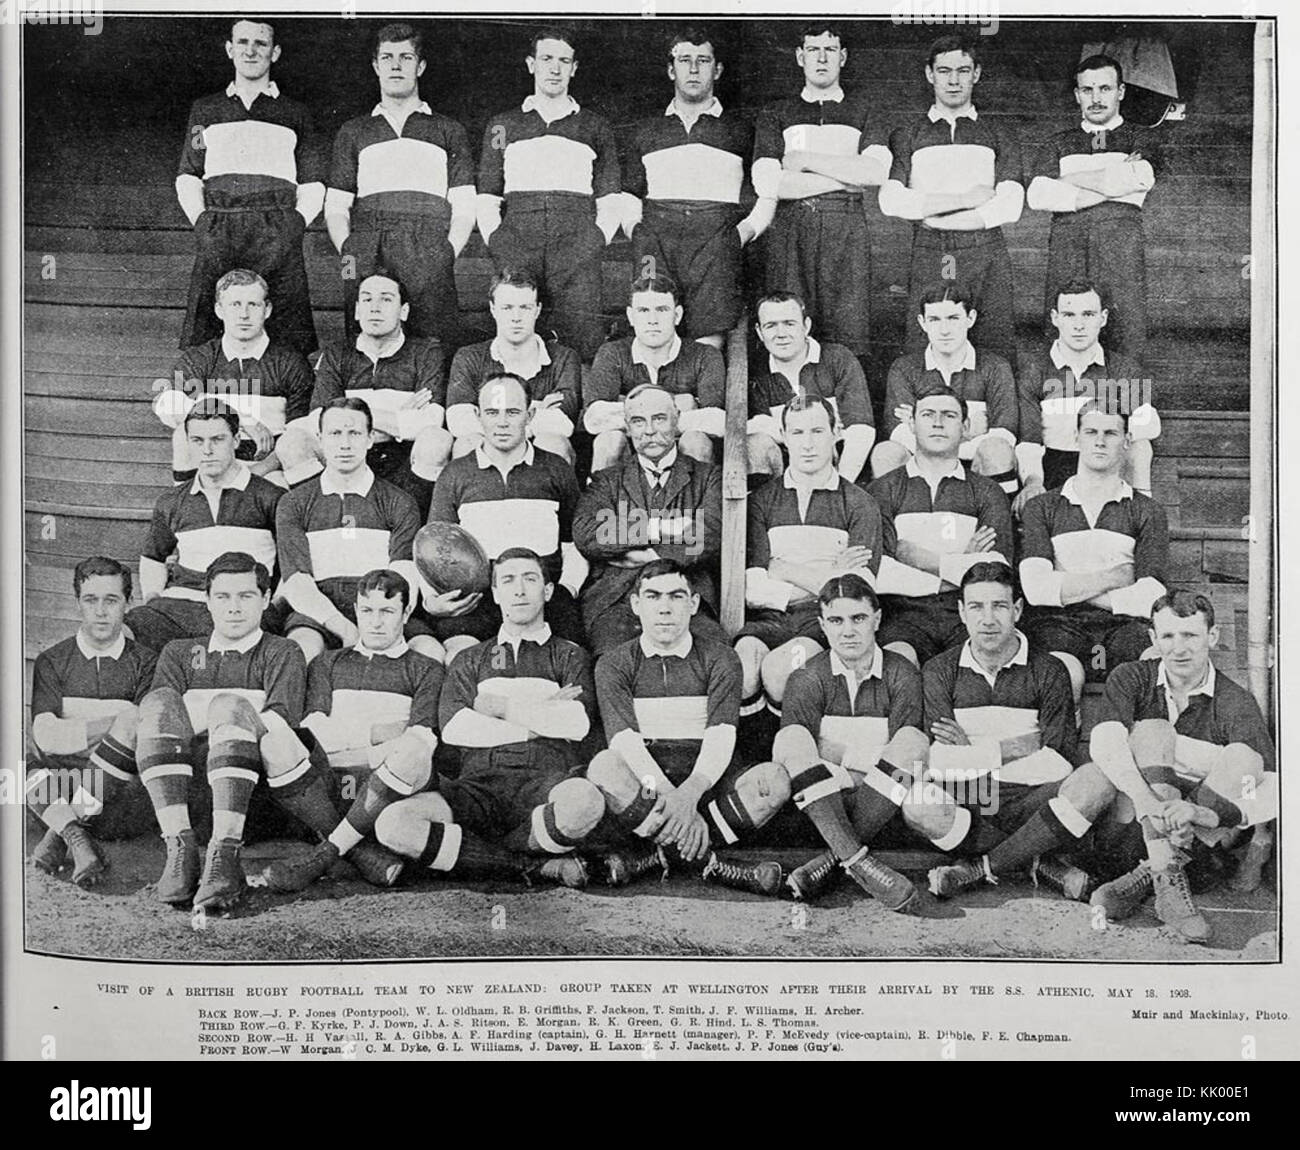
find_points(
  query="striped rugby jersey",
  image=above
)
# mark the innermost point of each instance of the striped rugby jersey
(1025, 710)
(841, 127)
(1050, 397)
(1059, 539)
(984, 381)
(270, 389)
(183, 524)
(239, 151)
(384, 383)
(839, 714)
(531, 506)
(523, 153)
(404, 170)
(838, 515)
(1219, 712)
(1078, 149)
(669, 700)
(943, 521)
(72, 681)
(696, 369)
(527, 671)
(351, 690)
(336, 539)
(703, 165)
(266, 670)
(560, 371)
(831, 372)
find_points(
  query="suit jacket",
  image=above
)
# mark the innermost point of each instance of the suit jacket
(614, 516)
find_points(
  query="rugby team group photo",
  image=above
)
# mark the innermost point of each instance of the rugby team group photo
(545, 569)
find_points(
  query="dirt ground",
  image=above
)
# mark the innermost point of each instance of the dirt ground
(342, 918)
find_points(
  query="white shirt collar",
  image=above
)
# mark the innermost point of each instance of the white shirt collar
(496, 350)
(828, 481)
(1109, 126)
(875, 671)
(366, 346)
(539, 633)
(532, 104)
(638, 356)
(1206, 688)
(360, 483)
(812, 355)
(714, 109)
(1062, 356)
(957, 472)
(664, 465)
(113, 652)
(270, 88)
(236, 479)
(1019, 659)
(679, 650)
(422, 106)
(936, 113)
(258, 347)
(243, 646)
(967, 361)
(396, 651)
(484, 462)
(1068, 492)
(811, 95)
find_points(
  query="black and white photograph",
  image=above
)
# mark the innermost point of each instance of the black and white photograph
(655, 485)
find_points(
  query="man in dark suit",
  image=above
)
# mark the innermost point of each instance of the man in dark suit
(657, 504)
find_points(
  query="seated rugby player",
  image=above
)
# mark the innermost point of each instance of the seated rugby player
(372, 711)
(1192, 754)
(85, 696)
(1095, 553)
(805, 527)
(519, 707)
(693, 373)
(226, 704)
(670, 702)
(266, 381)
(852, 745)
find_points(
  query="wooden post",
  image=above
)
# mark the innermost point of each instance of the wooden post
(1263, 372)
(735, 474)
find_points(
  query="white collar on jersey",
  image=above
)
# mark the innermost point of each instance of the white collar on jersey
(236, 479)
(539, 633)
(255, 350)
(422, 106)
(663, 467)
(359, 483)
(1063, 357)
(935, 114)
(366, 346)
(638, 356)
(967, 361)
(497, 345)
(243, 646)
(270, 88)
(875, 671)
(828, 480)
(481, 456)
(1124, 491)
(533, 104)
(1019, 659)
(813, 355)
(111, 652)
(957, 472)
(714, 110)
(811, 95)
(1206, 688)
(678, 650)
(1109, 126)
(396, 651)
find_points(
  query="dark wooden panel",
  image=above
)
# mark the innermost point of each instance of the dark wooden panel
(1205, 435)
(60, 445)
(105, 417)
(49, 533)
